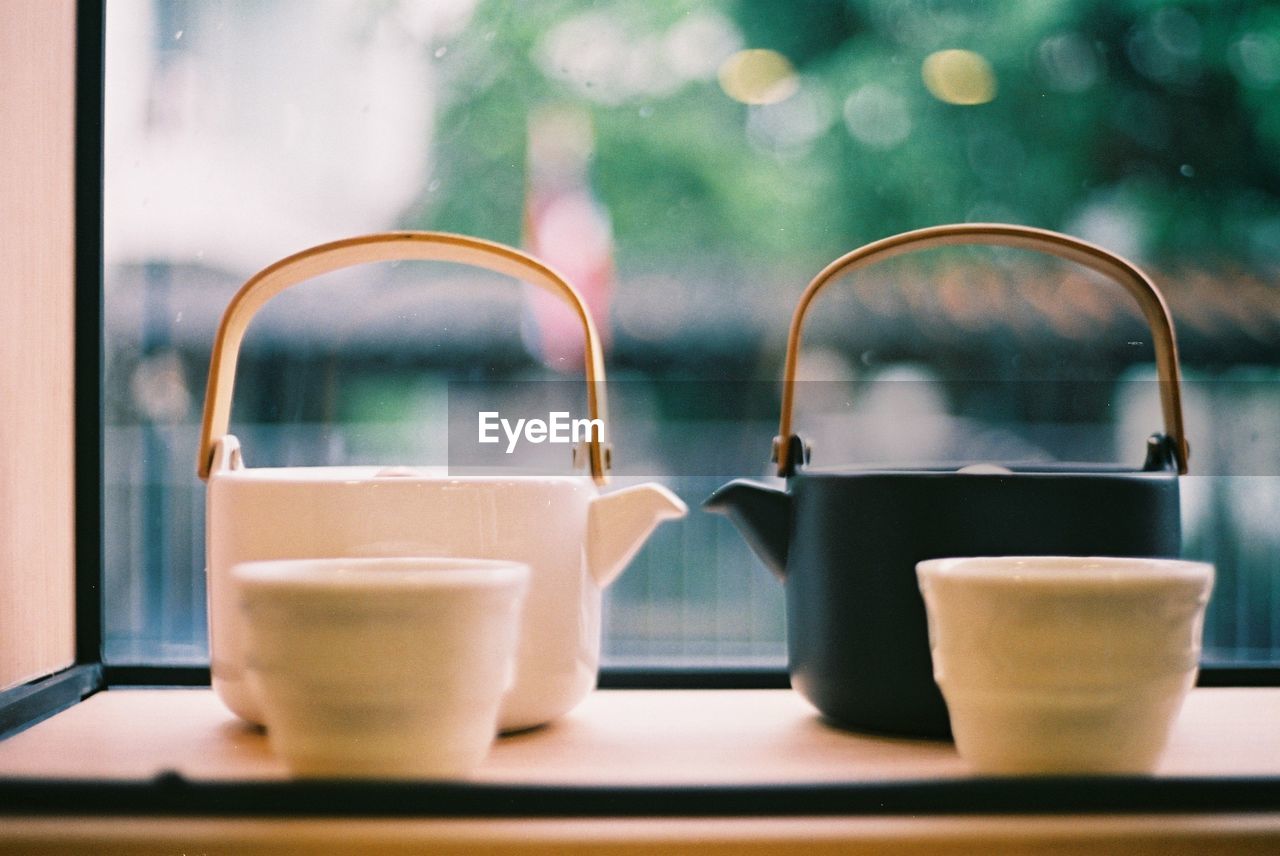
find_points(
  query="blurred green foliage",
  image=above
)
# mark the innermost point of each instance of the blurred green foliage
(1155, 124)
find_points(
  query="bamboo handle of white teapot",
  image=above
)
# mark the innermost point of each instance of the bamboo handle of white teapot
(381, 247)
(1139, 286)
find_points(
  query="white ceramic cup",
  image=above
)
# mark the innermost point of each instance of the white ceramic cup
(1064, 664)
(381, 667)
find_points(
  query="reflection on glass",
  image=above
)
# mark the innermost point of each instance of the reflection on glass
(690, 165)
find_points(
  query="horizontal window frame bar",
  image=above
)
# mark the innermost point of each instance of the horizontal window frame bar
(173, 795)
(662, 678)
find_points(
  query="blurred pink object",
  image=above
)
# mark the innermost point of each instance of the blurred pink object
(568, 228)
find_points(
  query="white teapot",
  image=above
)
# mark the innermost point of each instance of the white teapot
(575, 539)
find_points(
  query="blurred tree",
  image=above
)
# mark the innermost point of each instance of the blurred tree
(1152, 127)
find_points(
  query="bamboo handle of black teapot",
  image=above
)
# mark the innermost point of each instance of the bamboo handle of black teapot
(381, 247)
(1139, 286)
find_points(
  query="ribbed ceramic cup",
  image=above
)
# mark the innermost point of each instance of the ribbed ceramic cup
(381, 667)
(1064, 664)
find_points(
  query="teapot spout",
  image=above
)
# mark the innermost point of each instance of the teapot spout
(763, 516)
(618, 524)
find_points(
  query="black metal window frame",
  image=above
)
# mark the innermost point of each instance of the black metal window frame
(168, 794)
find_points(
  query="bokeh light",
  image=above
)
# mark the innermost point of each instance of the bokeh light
(1069, 62)
(877, 116)
(758, 76)
(959, 77)
(791, 126)
(1166, 47)
(605, 61)
(1255, 59)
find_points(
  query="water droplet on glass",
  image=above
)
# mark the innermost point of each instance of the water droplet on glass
(441, 51)
(1187, 170)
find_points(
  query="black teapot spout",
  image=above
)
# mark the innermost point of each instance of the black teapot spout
(763, 516)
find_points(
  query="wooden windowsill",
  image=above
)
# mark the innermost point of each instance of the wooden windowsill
(615, 737)
(625, 738)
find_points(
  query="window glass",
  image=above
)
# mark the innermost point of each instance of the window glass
(690, 166)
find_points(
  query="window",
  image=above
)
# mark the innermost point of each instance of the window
(690, 166)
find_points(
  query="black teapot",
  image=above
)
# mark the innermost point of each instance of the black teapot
(845, 541)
